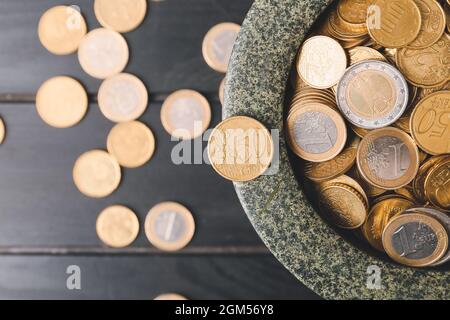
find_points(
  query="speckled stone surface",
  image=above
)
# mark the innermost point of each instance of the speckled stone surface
(276, 205)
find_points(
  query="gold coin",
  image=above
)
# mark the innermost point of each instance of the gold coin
(103, 53)
(437, 185)
(322, 62)
(122, 98)
(170, 296)
(2, 131)
(429, 67)
(433, 24)
(353, 11)
(395, 24)
(343, 206)
(346, 180)
(185, 114)
(117, 226)
(169, 226)
(358, 54)
(370, 189)
(218, 45)
(120, 15)
(419, 180)
(415, 240)
(388, 158)
(360, 132)
(316, 132)
(430, 123)
(324, 171)
(61, 102)
(61, 29)
(222, 91)
(96, 174)
(131, 143)
(240, 149)
(407, 192)
(379, 216)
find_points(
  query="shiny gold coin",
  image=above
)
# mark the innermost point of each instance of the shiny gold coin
(430, 123)
(379, 216)
(96, 174)
(61, 102)
(169, 226)
(343, 206)
(117, 226)
(407, 192)
(322, 62)
(388, 158)
(316, 132)
(218, 45)
(185, 114)
(437, 185)
(419, 180)
(346, 180)
(360, 132)
(120, 15)
(61, 29)
(415, 240)
(433, 24)
(131, 143)
(122, 98)
(395, 24)
(429, 67)
(222, 91)
(170, 296)
(240, 149)
(103, 53)
(353, 11)
(2, 131)
(359, 54)
(324, 171)
(371, 190)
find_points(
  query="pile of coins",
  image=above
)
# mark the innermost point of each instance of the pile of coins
(370, 117)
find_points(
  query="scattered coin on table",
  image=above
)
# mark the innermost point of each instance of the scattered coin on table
(61, 29)
(96, 174)
(185, 114)
(120, 15)
(117, 226)
(61, 102)
(170, 296)
(122, 97)
(218, 44)
(131, 143)
(169, 226)
(103, 53)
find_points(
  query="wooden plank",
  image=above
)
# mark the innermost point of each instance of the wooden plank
(40, 206)
(213, 277)
(165, 50)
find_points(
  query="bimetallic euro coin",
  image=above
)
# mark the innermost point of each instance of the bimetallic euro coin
(372, 94)
(415, 240)
(169, 226)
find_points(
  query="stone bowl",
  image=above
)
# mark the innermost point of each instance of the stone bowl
(283, 216)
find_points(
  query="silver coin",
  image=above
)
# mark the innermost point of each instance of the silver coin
(372, 94)
(444, 220)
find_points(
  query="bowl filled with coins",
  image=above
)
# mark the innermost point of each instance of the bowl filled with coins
(356, 201)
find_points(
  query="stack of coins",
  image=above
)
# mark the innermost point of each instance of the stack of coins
(370, 117)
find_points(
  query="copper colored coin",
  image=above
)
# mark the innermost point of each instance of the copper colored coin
(419, 180)
(346, 180)
(117, 226)
(240, 149)
(61, 102)
(218, 45)
(394, 24)
(169, 226)
(353, 11)
(185, 114)
(415, 240)
(122, 98)
(96, 174)
(437, 185)
(103, 53)
(430, 123)
(388, 158)
(61, 29)
(316, 132)
(120, 15)
(131, 143)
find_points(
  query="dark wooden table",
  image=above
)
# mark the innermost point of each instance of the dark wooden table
(47, 225)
